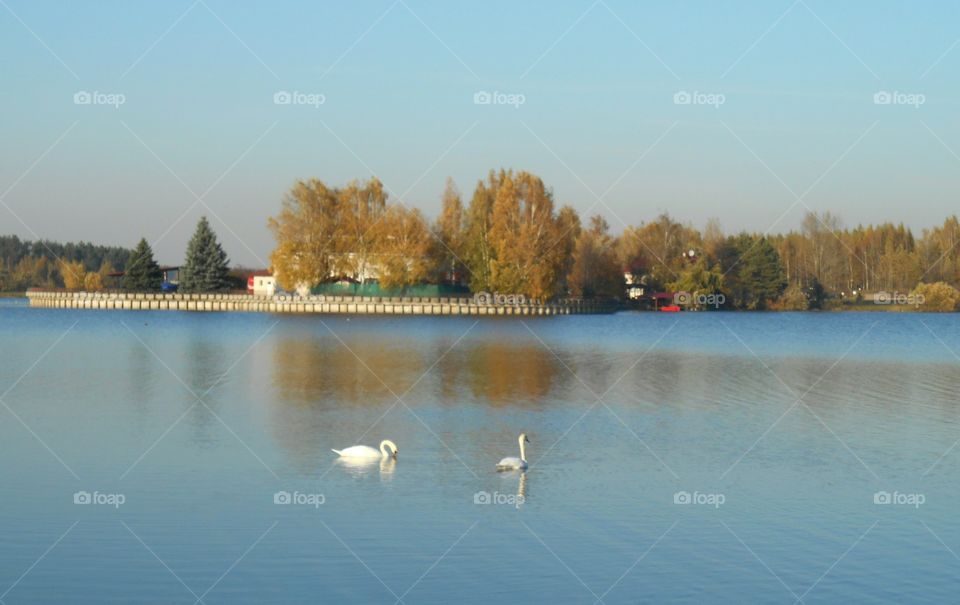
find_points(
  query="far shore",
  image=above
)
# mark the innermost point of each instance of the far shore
(864, 307)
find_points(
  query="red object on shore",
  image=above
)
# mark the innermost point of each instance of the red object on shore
(670, 309)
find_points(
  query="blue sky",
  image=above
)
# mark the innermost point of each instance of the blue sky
(782, 106)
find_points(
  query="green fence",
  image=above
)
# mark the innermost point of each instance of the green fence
(374, 289)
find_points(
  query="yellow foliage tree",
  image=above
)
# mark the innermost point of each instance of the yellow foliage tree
(73, 274)
(106, 268)
(449, 233)
(92, 282)
(595, 270)
(939, 297)
(32, 271)
(322, 232)
(403, 248)
(362, 205)
(526, 237)
(306, 231)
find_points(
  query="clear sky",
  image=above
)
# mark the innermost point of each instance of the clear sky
(782, 105)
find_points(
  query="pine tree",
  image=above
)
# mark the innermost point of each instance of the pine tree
(142, 272)
(762, 274)
(207, 267)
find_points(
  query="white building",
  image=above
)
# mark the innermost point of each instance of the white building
(264, 285)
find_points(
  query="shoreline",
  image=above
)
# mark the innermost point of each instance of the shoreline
(360, 305)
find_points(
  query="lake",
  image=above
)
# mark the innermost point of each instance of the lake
(166, 457)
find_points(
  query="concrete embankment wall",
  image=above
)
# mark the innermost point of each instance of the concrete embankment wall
(353, 305)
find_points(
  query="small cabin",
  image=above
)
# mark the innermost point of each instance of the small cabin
(261, 284)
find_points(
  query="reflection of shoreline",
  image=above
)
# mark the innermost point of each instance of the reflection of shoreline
(322, 372)
(312, 380)
(501, 373)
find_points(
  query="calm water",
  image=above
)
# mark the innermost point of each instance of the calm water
(197, 421)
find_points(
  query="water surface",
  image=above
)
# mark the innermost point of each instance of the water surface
(782, 428)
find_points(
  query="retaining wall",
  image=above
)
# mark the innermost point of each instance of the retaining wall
(353, 305)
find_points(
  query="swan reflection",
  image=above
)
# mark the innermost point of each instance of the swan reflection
(361, 467)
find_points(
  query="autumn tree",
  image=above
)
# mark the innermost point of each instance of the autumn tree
(361, 206)
(32, 271)
(402, 253)
(524, 231)
(72, 273)
(306, 231)
(654, 252)
(824, 261)
(937, 297)
(595, 270)
(92, 281)
(448, 231)
(478, 247)
(793, 299)
(568, 223)
(700, 280)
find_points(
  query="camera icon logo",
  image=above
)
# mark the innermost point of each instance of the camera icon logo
(482, 498)
(882, 98)
(482, 97)
(282, 498)
(82, 498)
(82, 97)
(682, 97)
(882, 498)
(682, 498)
(282, 97)
(681, 298)
(882, 298)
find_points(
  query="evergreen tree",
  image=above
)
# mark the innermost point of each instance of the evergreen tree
(762, 275)
(142, 273)
(207, 267)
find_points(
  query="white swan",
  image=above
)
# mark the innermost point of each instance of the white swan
(511, 463)
(365, 451)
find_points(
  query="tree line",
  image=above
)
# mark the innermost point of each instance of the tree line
(512, 237)
(88, 267)
(25, 264)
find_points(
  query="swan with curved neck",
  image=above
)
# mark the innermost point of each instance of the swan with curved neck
(365, 451)
(511, 463)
